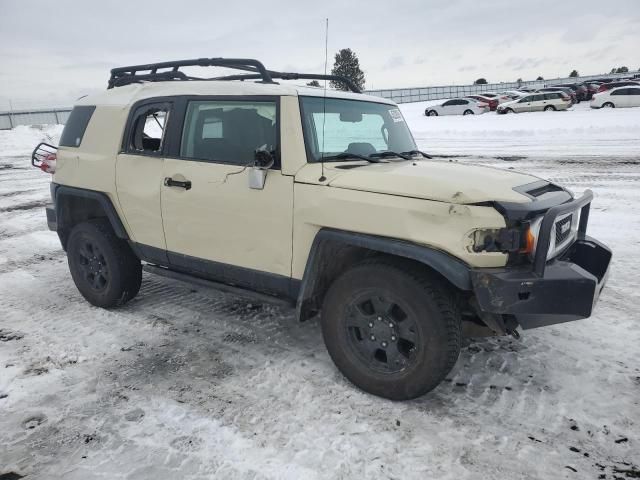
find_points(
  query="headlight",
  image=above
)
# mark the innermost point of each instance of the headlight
(531, 237)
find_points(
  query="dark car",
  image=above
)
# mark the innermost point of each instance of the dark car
(592, 88)
(579, 89)
(569, 91)
(608, 86)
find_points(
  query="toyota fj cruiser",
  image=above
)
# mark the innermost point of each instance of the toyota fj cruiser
(320, 197)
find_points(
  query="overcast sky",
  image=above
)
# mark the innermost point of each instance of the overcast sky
(52, 51)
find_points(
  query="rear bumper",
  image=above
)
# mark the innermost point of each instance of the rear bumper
(52, 219)
(568, 290)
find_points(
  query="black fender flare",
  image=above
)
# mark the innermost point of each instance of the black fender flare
(451, 268)
(63, 191)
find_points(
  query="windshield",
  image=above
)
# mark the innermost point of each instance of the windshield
(352, 126)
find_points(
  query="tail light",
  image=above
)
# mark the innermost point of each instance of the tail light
(44, 157)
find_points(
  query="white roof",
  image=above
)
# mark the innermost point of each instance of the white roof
(132, 93)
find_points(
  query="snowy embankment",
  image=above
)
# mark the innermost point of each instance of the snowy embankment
(580, 131)
(189, 383)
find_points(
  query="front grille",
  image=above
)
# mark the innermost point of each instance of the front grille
(563, 229)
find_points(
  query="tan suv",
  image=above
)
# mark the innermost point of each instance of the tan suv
(319, 197)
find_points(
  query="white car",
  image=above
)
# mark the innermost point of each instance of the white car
(617, 98)
(457, 106)
(537, 102)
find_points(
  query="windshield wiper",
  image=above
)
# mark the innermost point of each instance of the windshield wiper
(347, 155)
(389, 153)
(417, 152)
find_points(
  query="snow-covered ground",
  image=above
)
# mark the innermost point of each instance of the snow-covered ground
(186, 383)
(578, 131)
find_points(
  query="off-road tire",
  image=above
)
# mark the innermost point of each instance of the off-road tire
(549, 108)
(120, 270)
(427, 301)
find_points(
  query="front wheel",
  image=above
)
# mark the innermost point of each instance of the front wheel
(103, 267)
(393, 331)
(432, 113)
(468, 112)
(509, 110)
(608, 105)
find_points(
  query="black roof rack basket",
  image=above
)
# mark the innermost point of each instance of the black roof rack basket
(170, 71)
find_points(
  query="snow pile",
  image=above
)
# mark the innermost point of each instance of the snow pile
(579, 131)
(23, 139)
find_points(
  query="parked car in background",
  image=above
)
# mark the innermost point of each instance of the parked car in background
(492, 102)
(537, 102)
(457, 106)
(569, 91)
(513, 94)
(619, 97)
(592, 88)
(579, 89)
(501, 98)
(608, 86)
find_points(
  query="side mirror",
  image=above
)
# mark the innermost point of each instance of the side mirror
(263, 161)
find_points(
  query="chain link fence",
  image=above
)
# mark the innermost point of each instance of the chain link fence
(52, 116)
(422, 94)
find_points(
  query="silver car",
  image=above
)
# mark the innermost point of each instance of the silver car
(457, 106)
(537, 102)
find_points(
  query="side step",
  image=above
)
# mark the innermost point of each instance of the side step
(212, 285)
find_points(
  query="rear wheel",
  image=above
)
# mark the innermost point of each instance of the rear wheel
(468, 112)
(391, 330)
(103, 267)
(549, 108)
(608, 105)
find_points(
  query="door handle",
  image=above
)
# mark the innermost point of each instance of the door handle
(170, 182)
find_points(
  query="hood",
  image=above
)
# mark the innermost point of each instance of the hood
(510, 102)
(441, 181)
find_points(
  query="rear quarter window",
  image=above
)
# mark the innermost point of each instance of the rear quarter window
(76, 126)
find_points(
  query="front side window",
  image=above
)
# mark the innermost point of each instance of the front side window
(335, 126)
(229, 131)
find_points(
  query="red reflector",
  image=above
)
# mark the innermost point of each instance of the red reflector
(48, 164)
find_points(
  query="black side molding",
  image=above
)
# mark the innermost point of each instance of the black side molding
(328, 240)
(63, 191)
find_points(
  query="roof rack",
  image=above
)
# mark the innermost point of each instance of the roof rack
(170, 71)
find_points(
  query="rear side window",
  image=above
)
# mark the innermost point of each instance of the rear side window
(76, 126)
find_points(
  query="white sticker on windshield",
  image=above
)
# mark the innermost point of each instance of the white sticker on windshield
(396, 115)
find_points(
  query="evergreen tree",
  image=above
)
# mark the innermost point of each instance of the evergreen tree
(314, 83)
(574, 74)
(481, 81)
(347, 65)
(539, 77)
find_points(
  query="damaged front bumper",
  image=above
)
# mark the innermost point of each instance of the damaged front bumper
(563, 289)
